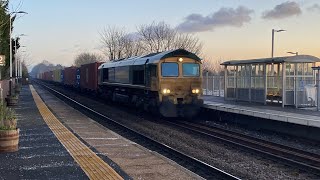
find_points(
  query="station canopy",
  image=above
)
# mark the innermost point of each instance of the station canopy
(293, 59)
(288, 80)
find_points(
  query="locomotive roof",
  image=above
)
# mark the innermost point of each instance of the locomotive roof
(152, 58)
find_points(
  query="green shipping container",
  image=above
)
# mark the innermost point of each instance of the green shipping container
(57, 75)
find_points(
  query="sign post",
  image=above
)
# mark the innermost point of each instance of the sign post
(2, 63)
(317, 69)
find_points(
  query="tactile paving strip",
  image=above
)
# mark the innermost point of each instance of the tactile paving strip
(92, 165)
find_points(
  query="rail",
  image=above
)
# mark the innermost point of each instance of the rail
(295, 157)
(201, 168)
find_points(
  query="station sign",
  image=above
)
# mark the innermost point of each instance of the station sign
(2, 60)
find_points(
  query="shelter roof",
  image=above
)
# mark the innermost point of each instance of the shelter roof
(293, 59)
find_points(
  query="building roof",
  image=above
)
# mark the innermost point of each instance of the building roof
(152, 58)
(299, 58)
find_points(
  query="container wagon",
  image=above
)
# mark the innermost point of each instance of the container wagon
(70, 76)
(58, 75)
(89, 77)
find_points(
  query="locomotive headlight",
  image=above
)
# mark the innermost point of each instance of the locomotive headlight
(166, 91)
(195, 91)
(180, 59)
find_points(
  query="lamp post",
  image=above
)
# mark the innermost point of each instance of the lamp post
(296, 53)
(15, 57)
(20, 68)
(273, 31)
(10, 32)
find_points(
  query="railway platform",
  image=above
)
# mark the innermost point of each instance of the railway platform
(289, 119)
(59, 142)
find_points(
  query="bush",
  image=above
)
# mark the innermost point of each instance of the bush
(7, 118)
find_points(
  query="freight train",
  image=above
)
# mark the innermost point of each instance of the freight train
(167, 82)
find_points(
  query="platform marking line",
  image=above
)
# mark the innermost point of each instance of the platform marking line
(91, 164)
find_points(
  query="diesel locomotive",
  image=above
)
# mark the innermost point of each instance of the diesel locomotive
(168, 82)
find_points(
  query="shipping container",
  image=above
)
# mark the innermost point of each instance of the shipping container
(89, 76)
(70, 76)
(78, 78)
(58, 75)
(48, 76)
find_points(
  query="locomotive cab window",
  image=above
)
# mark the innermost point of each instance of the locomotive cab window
(169, 69)
(190, 69)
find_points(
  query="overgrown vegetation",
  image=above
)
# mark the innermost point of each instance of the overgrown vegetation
(5, 39)
(7, 118)
(4, 34)
(86, 58)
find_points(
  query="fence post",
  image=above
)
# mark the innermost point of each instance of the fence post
(219, 85)
(318, 89)
(297, 86)
(207, 83)
(1, 94)
(212, 85)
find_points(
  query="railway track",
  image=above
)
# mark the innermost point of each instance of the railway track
(294, 157)
(199, 167)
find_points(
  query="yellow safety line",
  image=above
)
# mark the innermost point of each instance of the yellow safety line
(92, 165)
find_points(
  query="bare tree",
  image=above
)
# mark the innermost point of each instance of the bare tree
(113, 40)
(212, 66)
(188, 42)
(155, 37)
(85, 58)
(132, 46)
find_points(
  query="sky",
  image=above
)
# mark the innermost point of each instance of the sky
(58, 30)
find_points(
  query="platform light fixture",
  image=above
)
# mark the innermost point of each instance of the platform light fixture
(296, 53)
(272, 47)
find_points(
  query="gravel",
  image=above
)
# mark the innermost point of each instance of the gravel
(238, 162)
(287, 140)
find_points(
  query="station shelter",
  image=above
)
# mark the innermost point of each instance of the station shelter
(284, 80)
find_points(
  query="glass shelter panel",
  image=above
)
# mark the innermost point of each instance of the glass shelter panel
(274, 83)
(300, 84)
(231, 82)
(257, 83)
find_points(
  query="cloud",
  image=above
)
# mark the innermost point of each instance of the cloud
(65, 50)
(315, 7)
(224, 17)
(283, 10)
(76, 46)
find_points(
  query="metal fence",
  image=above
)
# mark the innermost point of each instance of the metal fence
(301, 92)
(213, 85)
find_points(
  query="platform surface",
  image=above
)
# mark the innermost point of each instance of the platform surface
(40, 155)
(136, 161)
(306, 117)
